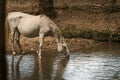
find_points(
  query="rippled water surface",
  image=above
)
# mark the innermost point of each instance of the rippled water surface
(100, 63)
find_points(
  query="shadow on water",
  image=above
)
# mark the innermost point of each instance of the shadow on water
(101, 63)
(30, 67)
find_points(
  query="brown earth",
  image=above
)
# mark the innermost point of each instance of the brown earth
(30, 45)
(80, 15)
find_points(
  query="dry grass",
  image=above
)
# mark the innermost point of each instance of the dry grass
(78, 15)
(49, 45)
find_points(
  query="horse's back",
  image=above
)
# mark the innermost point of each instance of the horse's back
(14, 15)
(33, 25)
(29, 25)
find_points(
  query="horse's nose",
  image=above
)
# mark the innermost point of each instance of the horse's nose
(60, 49)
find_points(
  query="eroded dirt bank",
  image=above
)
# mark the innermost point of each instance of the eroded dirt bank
(84, 22)
(89, 19)
(30, 45)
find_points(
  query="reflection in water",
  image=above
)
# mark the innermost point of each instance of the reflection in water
(30, 67)
(58, 68)
(20, 67)
(95, 65)
(15, 68)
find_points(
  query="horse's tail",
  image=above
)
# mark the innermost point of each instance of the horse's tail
(7, 32)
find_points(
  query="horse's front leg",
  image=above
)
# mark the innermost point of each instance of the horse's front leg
(41, 37)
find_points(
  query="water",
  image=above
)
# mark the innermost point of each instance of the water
(100, 63)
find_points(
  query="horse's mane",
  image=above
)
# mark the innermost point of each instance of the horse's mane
(56, 30)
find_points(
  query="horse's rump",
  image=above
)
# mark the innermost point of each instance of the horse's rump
(7, 32)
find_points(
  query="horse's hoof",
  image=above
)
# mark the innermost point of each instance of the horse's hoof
(23, 52)
(32, 49)
(14, 52)
(39, 55)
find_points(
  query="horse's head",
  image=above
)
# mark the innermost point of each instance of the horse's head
(62, 47)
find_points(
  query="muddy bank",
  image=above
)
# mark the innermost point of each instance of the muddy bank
(89, 19)
(83, 23)
(30, 45)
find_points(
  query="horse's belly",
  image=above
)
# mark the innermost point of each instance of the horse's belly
(29, 33)
(28, 28)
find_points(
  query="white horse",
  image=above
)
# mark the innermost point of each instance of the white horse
(33, 26)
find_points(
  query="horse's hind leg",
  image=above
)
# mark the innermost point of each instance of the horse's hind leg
(17, 38)
(12, 41)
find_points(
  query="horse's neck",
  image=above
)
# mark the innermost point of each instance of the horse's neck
(55, 30)
(58, 35)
